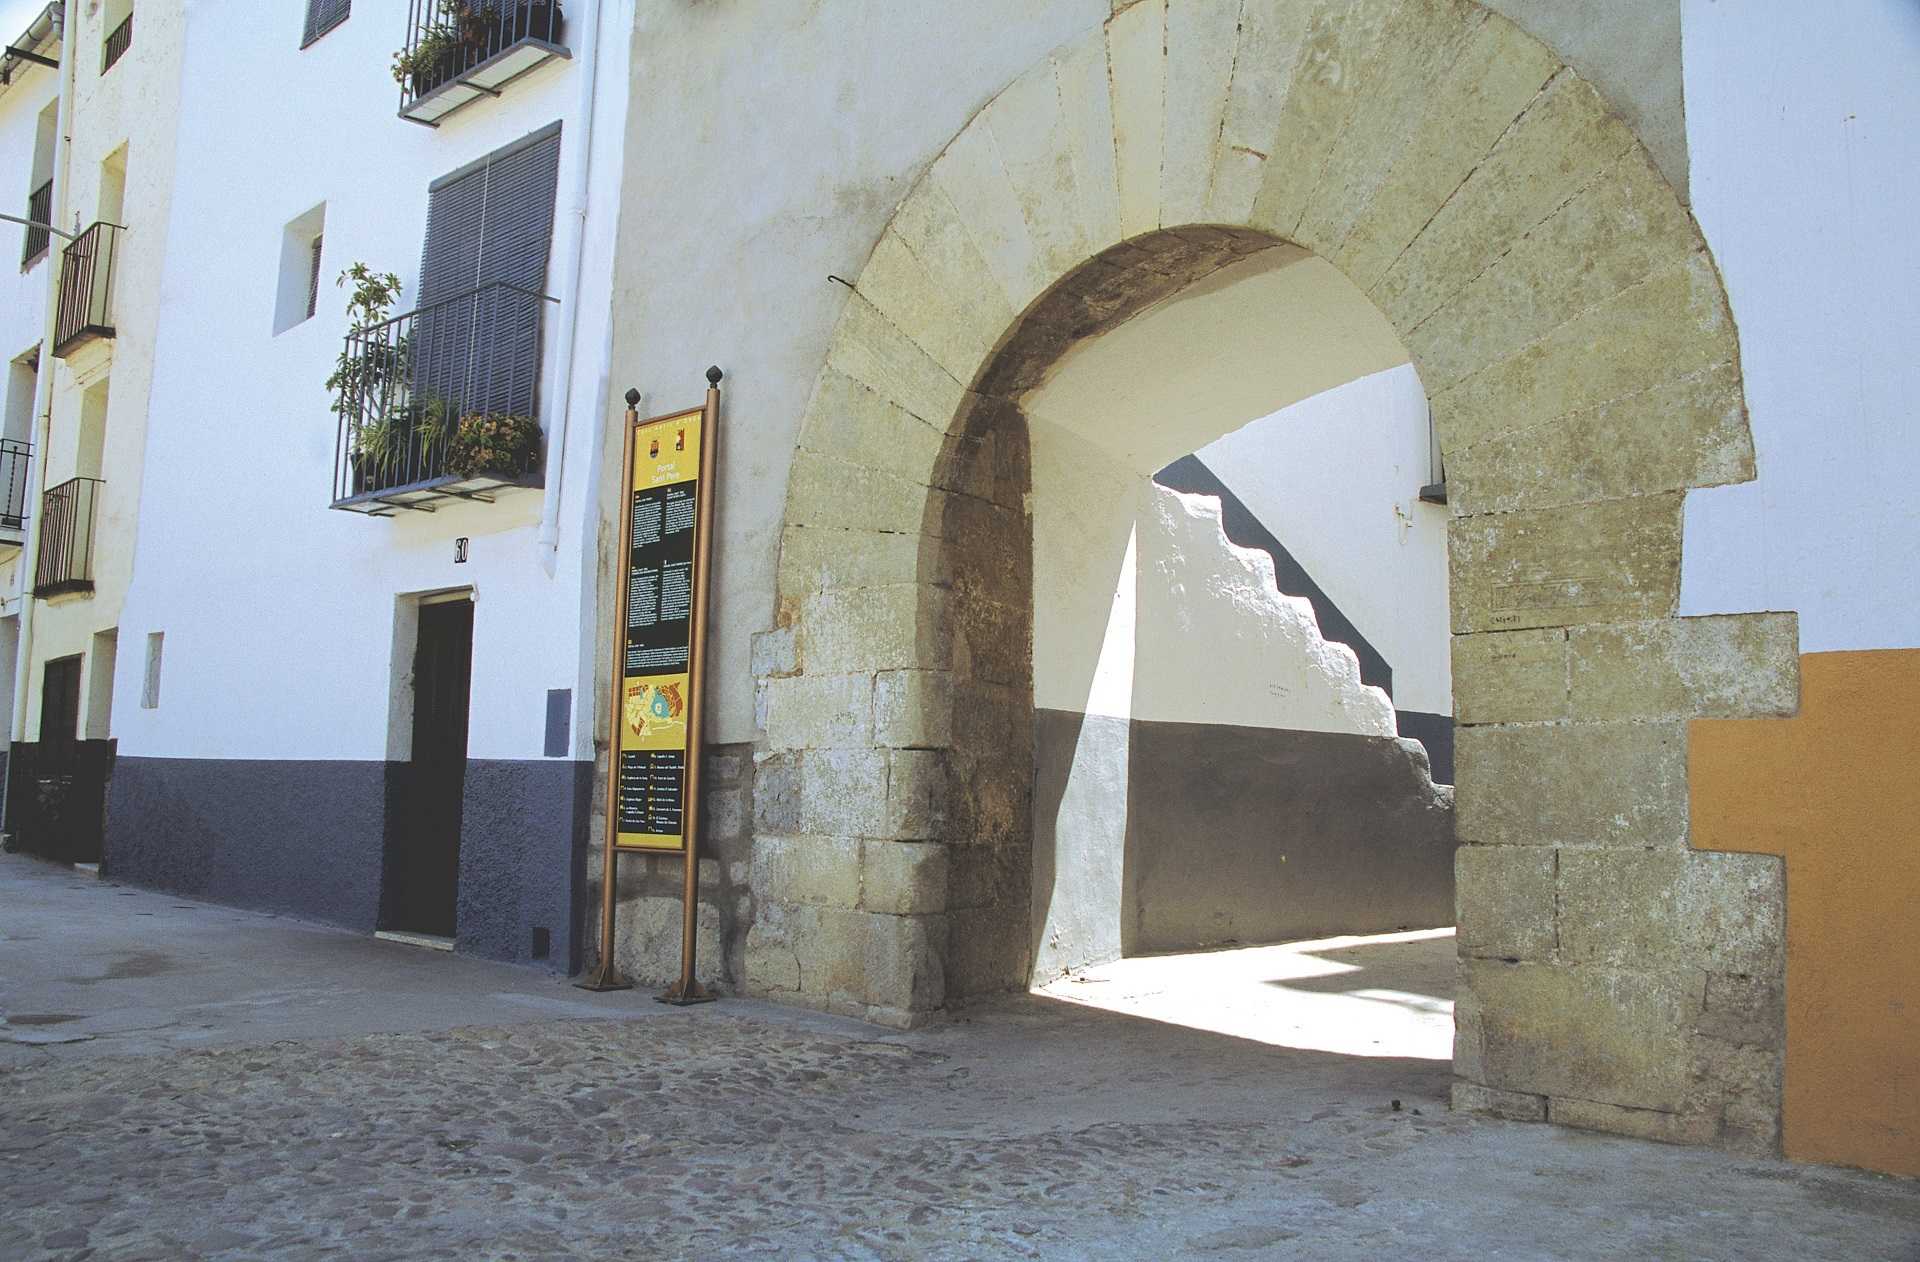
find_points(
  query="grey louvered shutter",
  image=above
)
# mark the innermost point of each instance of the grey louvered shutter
(492, 222)
(323, 16)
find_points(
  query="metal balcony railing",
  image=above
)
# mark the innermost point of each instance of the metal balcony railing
(15, 457)
(458, 51)
(65, 563)
(117, 44)
(86, 288)
(405, 384)
(40, 210)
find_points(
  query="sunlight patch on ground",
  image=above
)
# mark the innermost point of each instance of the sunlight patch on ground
(1388, 994)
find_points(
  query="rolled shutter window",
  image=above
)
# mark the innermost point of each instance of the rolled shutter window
(492, 222)
(323, 16)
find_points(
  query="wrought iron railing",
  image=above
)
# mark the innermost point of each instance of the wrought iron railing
(40, 210)
(65, 563)
(447, 38)
(117, 44)
(403, 385)
(15, 457)
(86, 287)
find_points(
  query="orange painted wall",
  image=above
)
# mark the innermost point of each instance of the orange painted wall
(1837, 791)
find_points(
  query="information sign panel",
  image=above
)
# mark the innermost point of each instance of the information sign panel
(655, 658)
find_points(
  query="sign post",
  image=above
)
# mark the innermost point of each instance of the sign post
(659, 651)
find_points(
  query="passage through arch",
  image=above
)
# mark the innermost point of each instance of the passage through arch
(1570, 329)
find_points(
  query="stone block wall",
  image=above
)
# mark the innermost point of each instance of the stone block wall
(1573, 335)
(1611, 975)
(649, 897)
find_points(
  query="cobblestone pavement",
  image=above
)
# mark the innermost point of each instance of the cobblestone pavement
(1030, 1129)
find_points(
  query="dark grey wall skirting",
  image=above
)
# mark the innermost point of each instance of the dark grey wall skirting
(523, 847)
(309, 839)
(1232, 835)
(299, 837)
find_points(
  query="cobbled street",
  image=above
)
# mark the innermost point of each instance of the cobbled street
(180, 1080)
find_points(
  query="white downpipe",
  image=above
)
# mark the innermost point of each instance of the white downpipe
(43, 383)
(548, 540)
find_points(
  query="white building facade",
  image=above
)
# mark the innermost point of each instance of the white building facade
(292, 589)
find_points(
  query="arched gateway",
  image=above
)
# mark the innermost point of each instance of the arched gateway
(1583, 369)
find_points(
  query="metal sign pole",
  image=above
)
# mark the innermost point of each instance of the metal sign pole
(688, 990)
(607, 976)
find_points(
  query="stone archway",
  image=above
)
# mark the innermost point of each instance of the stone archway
(1570, 327)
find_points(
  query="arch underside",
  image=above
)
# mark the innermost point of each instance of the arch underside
(1573, 336)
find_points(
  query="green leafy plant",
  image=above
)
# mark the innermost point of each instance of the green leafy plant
(369, 378)
(461, 24)
(496, 443)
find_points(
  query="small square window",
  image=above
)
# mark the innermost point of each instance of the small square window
(301, 245)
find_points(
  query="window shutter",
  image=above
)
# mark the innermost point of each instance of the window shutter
(313, 280)
(323, 16)
(492, 222)
(449, 265)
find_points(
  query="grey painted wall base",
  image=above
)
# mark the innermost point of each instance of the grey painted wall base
(1241, 834)
(1171, 836)
(523, 849)
(308, 839)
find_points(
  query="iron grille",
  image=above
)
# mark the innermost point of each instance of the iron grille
(448, 38)
(15, 456)
(117, 44)
(65, 563)
(405, 383)
(86, 288)
(40, 210)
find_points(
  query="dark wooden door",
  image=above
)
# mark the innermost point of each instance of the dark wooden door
(60, 706)
(429, 853)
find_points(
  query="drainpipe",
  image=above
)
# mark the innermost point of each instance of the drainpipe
(548, 545)
(43, 383)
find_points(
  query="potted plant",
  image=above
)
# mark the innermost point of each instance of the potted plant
(369, 379)
(494, 444)
(438, 53)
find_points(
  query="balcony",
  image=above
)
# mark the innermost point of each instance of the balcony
(438, 404)
(458, 51)
(15, 457)
(40, 210)
(65, 563)
(85, 312)
(117, 44)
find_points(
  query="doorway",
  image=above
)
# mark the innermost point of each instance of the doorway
(423, 860)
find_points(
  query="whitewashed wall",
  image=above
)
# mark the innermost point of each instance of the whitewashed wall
(1805, 136)
(279, 613)
(23, 294)
(1337, 480)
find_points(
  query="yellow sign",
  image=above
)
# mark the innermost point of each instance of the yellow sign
(654, 652)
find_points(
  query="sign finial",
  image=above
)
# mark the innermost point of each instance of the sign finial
(633, 397)
(713, 377)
